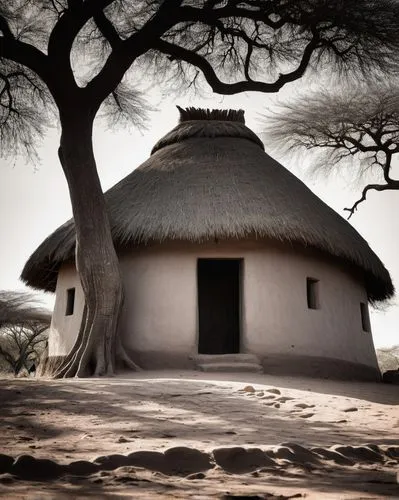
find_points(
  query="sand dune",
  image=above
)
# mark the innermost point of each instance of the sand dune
(181, 435)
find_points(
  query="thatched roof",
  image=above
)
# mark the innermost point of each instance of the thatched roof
(210, 177)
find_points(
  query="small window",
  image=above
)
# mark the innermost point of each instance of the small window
(312, 293)
(70, 302)
(364, 312)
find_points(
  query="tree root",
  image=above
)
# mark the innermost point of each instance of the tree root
(74, 364)
(123, 356)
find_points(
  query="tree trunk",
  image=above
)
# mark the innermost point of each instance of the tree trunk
(17, 366)
(96, 259)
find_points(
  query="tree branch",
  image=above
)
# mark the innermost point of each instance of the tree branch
(70, 23)
(211, 15)
(107, 29)
(357, 144)
(5, 28)
(122, 57)
(393, 185)
(177, 52)
(29, 56)
(64, 33)
(7, 357)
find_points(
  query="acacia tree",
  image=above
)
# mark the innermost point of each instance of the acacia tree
(18, 307)
(23, 327)
(81, 54)
(22, 343)
(357, 129)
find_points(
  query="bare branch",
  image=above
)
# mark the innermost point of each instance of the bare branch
(107, 29)
(28, 56)
(25, 110)
(125, 107)
(376, 187)
(182, 54)
(360, 125)
(138, 43)
(21, 307)
(5, 28)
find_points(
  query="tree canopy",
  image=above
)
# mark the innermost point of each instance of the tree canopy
(102, 46)
(356, 128)
(18, 307)
(23, 329)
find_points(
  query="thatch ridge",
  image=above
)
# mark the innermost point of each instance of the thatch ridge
(207, 128)
(200, 188)
(226, 115)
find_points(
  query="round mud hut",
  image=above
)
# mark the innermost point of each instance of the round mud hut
(229, 263)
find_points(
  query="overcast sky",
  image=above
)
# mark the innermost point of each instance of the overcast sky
(34, 200)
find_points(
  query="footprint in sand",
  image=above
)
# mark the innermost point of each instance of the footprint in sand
(273, 391)
(350, 409)
(122, 439)
(306, 415)
(283, 399)
(303, 406)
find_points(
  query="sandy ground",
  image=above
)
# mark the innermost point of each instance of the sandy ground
(196, 435)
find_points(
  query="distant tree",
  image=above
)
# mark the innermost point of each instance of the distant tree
(388, 358)
(23, 330)
(69, 58)
(18, 307)
(356, 129)
(21, 344)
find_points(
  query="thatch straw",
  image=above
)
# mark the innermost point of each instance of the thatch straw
(225, 115)
(208, 124)
(210, 179)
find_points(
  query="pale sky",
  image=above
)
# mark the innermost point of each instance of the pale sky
(35, 201)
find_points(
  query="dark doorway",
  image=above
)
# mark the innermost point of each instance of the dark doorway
(219, 306)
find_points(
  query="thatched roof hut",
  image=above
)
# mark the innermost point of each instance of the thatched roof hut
(210, 178)
(225, 256)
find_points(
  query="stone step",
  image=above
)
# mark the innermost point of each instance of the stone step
(230, 367)
(227, 358)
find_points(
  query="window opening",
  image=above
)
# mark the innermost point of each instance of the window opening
(70, 305)
(364, 312)
(312, 293)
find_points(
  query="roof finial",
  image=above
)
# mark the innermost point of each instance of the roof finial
(230, 115)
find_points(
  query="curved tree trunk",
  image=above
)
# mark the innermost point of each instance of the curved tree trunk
(94, 351)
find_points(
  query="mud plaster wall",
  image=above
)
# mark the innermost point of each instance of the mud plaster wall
(64, 329)
(161, 315)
